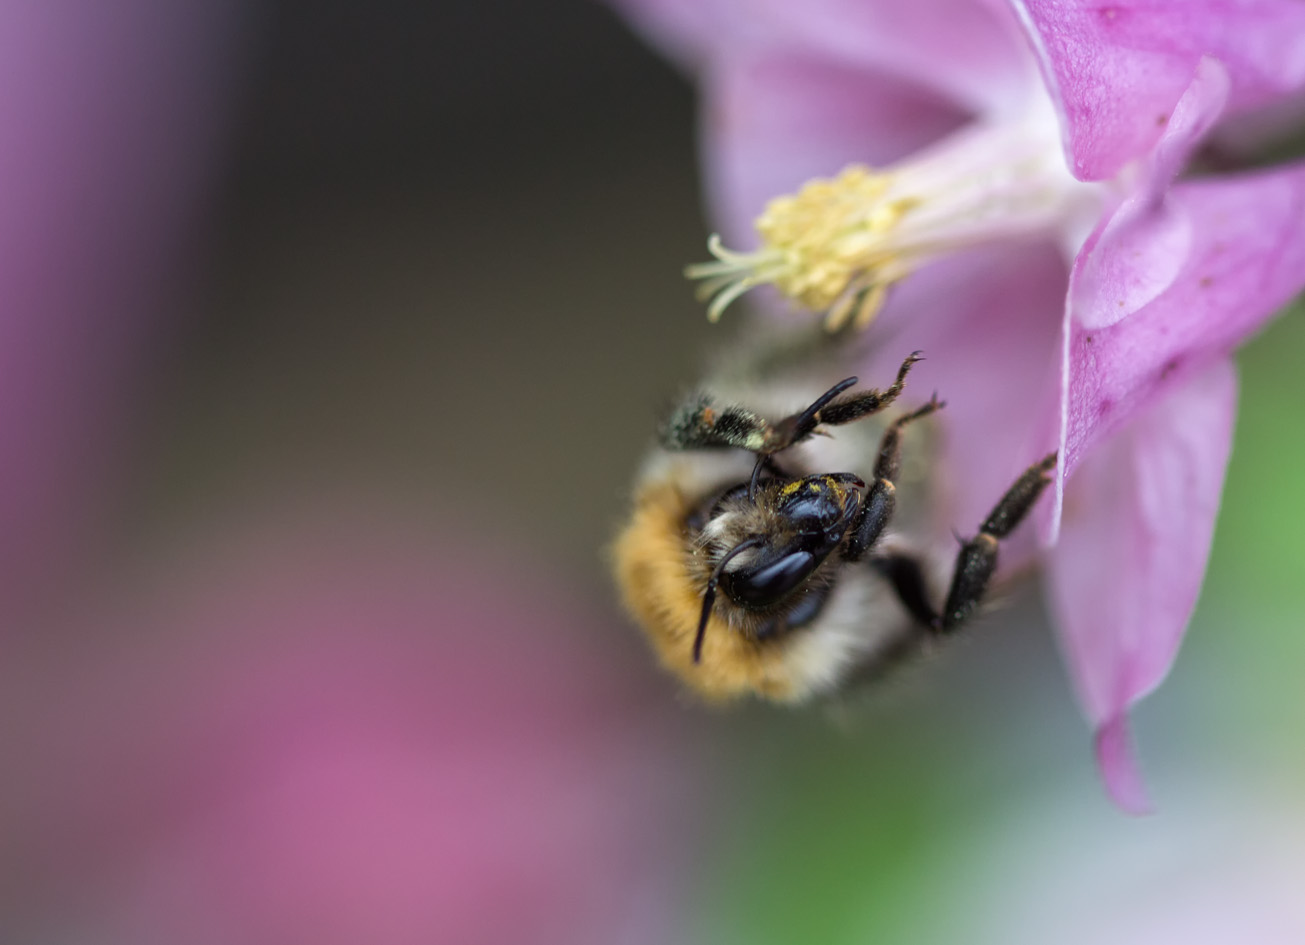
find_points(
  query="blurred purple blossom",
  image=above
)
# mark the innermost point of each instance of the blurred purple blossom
(330, 728)
(1004, 130)
(110, 117)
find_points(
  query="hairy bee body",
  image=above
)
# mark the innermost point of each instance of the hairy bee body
(662, 574)
(662, 565)
(758, 560)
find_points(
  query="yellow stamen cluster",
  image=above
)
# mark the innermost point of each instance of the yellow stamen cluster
(827, 247)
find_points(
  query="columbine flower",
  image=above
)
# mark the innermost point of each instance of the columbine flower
(839, 244)
(996, 125)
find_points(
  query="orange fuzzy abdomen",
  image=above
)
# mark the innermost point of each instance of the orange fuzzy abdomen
(653, 564)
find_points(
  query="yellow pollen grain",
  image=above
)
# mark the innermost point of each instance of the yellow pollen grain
(789, 489)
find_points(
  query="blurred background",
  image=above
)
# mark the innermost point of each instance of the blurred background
(331, 340)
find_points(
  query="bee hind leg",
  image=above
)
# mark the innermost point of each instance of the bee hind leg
(977, 559)
(975, 562)
(907, 579)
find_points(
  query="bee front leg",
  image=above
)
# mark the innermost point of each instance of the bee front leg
(851, 407)
(836, 407)
(881, 500)
(702, 424)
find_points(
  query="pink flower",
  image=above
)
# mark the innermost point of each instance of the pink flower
(1002, 130)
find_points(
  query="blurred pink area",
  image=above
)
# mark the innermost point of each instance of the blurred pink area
(337, 732)
(322, 727)
(109, 119)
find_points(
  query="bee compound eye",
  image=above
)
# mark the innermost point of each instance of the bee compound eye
(770, 582)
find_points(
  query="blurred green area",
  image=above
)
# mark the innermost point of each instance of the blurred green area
(1258, 550)
(1248, 637)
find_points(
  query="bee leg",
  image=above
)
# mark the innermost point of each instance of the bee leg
(836, 407)
(854, 406)
(879, 503)
(907, 578)
(701, 424)
(977, 559)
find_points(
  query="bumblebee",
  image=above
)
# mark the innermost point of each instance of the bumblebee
(759, 561)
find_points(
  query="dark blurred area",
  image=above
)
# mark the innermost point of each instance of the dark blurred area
(448, 246)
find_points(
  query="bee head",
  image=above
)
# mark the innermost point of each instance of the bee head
(772, 535)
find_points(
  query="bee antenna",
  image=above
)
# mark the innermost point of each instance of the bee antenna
(709, 598)
(764, 461)
(756, 475)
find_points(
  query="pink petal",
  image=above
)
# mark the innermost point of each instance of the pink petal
(795, 91)
(1139, 252)
(687, 31)
(1113, 747)
(1202, 104)
(967, 51)
(1139, 517)
(1142, 246)
(1119, 70)
(1246, 260)
(774, 121)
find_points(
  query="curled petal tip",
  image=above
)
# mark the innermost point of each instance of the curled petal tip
(1118, 766)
